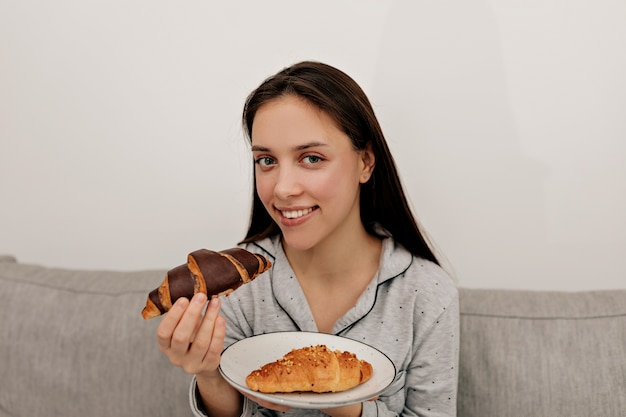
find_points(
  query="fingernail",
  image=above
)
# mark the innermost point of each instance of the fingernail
(180, 303)
(215, 302)
(200, 298)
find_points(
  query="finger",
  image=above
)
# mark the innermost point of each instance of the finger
(219, 334)
(181, 338)
(213, 355)
(198, 324)
(205, 337)
(170, 321)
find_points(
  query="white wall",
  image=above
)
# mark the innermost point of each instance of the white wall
(121, 147)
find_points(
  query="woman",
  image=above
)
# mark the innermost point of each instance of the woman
(348, 256)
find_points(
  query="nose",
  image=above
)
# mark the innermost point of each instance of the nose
(287, 184)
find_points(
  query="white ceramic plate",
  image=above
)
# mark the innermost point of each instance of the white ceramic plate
(246, 355)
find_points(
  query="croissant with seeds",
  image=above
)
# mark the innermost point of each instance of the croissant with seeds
(314, 369)
(213, 273)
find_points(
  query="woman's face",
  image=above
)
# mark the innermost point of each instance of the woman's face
(308, 174)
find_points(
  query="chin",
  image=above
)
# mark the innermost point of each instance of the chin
(298, 242)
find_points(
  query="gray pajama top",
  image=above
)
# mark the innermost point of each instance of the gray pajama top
(409, 311)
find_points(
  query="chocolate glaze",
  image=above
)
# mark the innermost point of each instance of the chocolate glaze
(247, 259)
(154, 297)
(181, 282)
(219, 273)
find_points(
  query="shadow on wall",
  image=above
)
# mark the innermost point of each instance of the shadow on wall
(455, 140)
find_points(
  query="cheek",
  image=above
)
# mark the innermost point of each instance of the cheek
(338, 187)
(264, 189)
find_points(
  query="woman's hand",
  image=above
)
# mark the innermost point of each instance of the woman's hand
(352, 410)
(267, 404)
(348, 410)
(191, 340)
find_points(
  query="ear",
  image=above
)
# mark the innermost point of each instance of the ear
(368, 161)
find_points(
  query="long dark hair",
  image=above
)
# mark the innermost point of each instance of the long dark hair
(382, 197)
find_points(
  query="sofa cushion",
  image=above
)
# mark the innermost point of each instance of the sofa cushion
(73, 343)
(542, 353)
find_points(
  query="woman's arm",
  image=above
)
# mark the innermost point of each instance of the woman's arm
(194, 342)
(218, 397)
(428, 387)
(432, 377)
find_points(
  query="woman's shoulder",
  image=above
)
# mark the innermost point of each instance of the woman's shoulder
(432, 278)
(268, 247)
(417, 275)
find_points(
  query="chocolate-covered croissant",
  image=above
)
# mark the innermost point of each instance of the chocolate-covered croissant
(213, 273)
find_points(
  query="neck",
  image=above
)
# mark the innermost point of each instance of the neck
(337, 259)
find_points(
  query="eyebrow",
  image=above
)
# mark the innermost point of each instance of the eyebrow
(302, 147)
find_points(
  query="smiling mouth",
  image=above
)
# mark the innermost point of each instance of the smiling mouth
(294, 214)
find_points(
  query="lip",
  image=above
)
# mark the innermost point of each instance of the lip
(295, 221)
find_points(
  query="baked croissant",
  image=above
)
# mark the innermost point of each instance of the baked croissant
(213, 273)
(313, 368)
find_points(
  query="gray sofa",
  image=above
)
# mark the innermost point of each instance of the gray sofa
(73, 343)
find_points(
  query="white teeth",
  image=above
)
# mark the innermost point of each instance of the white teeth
(294, 214)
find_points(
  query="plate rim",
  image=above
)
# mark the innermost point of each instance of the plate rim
(303, 404)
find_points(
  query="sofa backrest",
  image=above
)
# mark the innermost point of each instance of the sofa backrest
(550, 354)
(73, 343)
